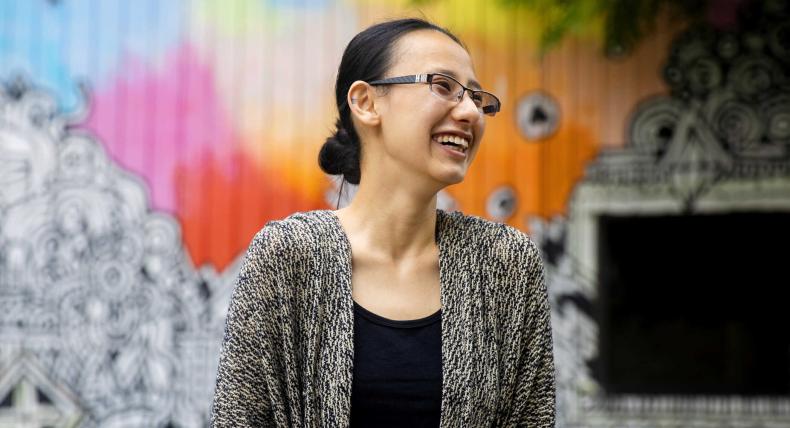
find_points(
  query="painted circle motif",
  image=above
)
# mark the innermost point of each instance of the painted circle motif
(727, 46)
(752, 77)
(653, 125)
(537, 115)
(704, 75)
(502, 203)
(80, 160)
(737, 124)
(776, 111)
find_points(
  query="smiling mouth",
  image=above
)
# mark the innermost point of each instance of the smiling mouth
(457, 143)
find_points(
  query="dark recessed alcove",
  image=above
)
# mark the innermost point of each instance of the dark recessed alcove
(694, 304)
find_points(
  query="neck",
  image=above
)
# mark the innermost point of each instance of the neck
(393, 219)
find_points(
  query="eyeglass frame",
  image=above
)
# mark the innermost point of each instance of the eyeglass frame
(428, 78)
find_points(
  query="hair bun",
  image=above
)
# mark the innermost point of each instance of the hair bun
(340, 155)
(342, 137)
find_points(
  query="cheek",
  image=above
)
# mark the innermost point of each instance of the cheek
(415, 114)
(479, 131)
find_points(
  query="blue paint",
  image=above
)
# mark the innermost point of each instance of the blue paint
(294, 4)
(58, 44)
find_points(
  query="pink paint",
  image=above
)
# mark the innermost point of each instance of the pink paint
(152, 120)
(723, 14)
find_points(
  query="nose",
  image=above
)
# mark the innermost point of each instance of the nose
(466, 110)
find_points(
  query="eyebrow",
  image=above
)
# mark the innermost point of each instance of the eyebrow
(472, 83)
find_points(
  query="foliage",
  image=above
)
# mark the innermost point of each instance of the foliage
(623, 22)
(627, 21)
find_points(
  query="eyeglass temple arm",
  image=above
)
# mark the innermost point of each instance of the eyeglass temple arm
(414, 78)
(423, 78)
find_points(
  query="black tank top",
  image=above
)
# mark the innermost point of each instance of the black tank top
(397, 371)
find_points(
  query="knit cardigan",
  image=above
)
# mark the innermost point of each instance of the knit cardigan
(287, 355)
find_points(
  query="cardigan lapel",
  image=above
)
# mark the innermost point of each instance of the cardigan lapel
(336, 326)
(456, 342)
(469, 350)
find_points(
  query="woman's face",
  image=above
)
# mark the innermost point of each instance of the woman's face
(413, 119)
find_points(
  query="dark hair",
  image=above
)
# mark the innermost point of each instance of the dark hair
(367, 57)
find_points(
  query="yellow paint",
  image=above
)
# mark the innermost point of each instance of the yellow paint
(237, 17)
(488, 19)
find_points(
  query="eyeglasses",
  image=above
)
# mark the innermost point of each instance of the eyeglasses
(449, 89)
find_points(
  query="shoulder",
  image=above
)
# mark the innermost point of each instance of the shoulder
(507, 258)
(298, 225)
(294, 236)
(492, 238)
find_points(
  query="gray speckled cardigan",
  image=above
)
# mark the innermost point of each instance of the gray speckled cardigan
(288, 352)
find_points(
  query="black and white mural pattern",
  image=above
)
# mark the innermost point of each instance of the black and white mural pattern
(104, 321)
(718, 141)
(727, 116)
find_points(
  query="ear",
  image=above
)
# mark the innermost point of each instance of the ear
(361, 99)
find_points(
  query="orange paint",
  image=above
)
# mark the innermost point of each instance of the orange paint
(220, 214)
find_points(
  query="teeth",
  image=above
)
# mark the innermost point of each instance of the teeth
(447, 138)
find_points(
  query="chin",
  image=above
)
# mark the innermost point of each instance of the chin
(450, 179)
(448, 176)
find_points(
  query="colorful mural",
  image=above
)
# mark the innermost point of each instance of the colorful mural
(186, 125)
(178, 91)
(220, 107)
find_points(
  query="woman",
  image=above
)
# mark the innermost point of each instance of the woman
(390, 312)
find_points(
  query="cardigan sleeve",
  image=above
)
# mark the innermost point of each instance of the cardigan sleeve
(534, 404)
(247, 391)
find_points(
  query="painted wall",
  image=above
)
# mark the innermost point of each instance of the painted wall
(220, 107)
(143, 143)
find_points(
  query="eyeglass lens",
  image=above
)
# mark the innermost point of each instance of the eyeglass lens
(452, 90)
